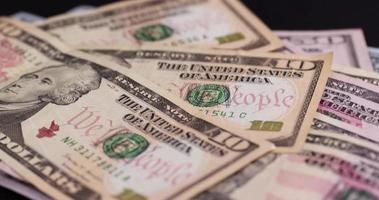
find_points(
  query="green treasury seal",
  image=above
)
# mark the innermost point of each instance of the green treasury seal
(208, 95)
(152, 33)
(125, 145)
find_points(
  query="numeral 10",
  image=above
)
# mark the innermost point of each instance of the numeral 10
(272, 126)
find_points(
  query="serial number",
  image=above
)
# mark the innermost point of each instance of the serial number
(224, 114)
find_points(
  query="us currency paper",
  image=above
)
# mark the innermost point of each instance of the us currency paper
(4, 168)
(320, 125)
(224, 24)
(81, 8)
(366, 76)
(33, 18)
(270, 96)
(374, 56)
(330, 167)
(78, 127)
(351, 103)
(27, 17)
(348, 45)
(22, 188)
(11, 180)
(289, 48)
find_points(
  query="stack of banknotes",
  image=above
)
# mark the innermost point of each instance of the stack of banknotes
(185, 99)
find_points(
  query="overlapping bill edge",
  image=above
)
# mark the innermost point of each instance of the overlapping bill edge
(341, 127)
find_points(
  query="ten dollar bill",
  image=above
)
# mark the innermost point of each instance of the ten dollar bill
(331, 166)
(225, 24)
(270, 96)
(77, 127)
(348, 45)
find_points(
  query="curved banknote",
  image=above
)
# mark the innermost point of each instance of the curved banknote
(271, 96)
(225, 24)
(320, 125)
(289, 48)
(331, 166)
(351, 102)
(374, 56)
(348, 45)
(366, 76)
(22, 188)
(78, 127)
(35, 19)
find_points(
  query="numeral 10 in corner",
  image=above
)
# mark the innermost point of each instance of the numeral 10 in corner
(272, 126)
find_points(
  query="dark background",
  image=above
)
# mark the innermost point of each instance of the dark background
(277, 14)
